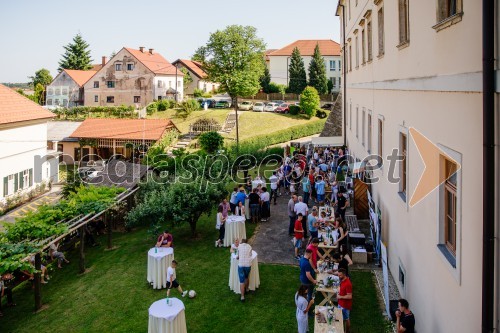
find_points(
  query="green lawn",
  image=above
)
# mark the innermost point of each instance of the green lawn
(250, 123)
(114, 295)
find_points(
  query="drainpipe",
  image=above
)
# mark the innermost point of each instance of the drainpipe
(489, 167)
(344, 66)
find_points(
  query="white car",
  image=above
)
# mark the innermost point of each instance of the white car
(245, 106)
(259, 106)
(271, 107)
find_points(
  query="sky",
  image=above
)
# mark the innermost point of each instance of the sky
(33, 32)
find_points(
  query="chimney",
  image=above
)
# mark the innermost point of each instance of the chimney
(104, 60)
(141, 48)
(151, 51)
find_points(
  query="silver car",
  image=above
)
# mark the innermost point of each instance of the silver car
(259, 106)
(271, 107)
(245, 106)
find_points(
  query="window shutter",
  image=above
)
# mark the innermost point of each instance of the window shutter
(16, 184)
(21, 180)
(31, 177)
(5, 186)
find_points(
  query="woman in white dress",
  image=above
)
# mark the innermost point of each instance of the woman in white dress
(302, 308)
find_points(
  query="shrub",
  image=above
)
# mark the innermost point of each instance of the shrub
(151, 108)
(205, 125)
(198, 93)
(163, 105)
(309, 101)
(211, 142)
(276, 88)
(321, 113)
(294, 109)
(187, 107)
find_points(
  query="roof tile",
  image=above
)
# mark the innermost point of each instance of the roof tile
(15, 108)
(154, 62)
(327, 47)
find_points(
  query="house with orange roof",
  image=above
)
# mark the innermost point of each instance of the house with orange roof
(25, 161)
(196, 72)
(279, 60)
(134, 77)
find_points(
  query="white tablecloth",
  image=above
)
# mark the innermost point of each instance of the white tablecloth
(256, 183)
(158, 264)
(235, 228)
(165, 318)
(253, 279)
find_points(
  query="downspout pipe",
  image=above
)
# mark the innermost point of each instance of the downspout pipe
(489, 166)
(344, 66)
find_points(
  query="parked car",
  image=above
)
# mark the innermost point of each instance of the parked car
(283, 108)
(259, 106)
(270, 107)
(223, 105)
(279, 102)
(327, 106)
(245, 106)
(211, 102)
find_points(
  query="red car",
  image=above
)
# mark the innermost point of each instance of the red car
(283, 108)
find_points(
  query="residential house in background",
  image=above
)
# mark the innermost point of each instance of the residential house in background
(58, 138)
(197, 74)
(25, 160)
(279, 60)
(434, 248)
(134, 77)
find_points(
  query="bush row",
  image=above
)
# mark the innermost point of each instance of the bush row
(95, 111)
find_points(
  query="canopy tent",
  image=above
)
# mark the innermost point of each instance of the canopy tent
(328, 141)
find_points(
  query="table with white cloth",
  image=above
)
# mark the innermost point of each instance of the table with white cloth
(159, 259)
(165, 318)
(257, 182)
(235, 228)
(337, 325)
(329, 293)
(253, 279)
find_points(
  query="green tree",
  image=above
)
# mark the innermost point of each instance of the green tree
(77, 55)
(317, 72)
(330, 86)
(265, 80)
(309, 101)
(234, 57)
(187, 77)
(296, 73)
(42, 76)
(211, 142)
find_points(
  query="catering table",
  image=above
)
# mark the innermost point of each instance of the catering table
(235, 228)
(329, 293)
(337, 325)
(324, 250)
(253, 279)
(165, 318)
(157, 266)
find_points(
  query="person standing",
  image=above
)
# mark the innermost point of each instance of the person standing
(172, 279)
(307, 273)
(314, 253)
(226, 208)
(244, 265)
(344, 298)
(303, 306)
(306, 188)
(254, 201)
(320, 190)
(4, 290)
(291, 214)
(341, 204)
(274, 186)
(232, 200)
(299, 235)
(312, 222)
(265, 205)
(240, 202)
(301, 207)
(221, 225)
(405, 320)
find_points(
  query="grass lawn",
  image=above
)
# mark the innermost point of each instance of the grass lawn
(113, 296)
(250, 124)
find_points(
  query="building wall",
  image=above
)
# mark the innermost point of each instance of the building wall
(63, 91)
(278, 69)
(138, 86)
(198, 83)
(425, 86)
(166, 82)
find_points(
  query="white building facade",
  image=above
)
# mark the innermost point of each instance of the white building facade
(419, 66)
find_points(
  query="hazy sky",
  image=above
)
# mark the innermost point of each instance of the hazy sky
(33, 32)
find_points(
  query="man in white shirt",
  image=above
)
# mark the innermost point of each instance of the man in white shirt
(244, 266)
(301, 207)
(172, 279)
(274, 186)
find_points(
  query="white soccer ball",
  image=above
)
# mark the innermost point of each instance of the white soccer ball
(192, 294)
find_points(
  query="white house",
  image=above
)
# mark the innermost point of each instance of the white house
(404, 77)
(279, 60)
(24, 158)
(197, 74)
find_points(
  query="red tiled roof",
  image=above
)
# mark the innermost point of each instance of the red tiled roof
(80, 77)
(154, 62)
(267, 52)
(96, 67)
(193, 66)
(15, 108)
(128, 129)
(327, 47)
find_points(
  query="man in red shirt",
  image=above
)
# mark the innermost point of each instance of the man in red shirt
(314, 257)
(344, 298)
(299, 235)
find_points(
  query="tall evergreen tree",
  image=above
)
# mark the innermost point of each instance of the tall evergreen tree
(77, 55)
(317, 72)
(265, 80)
(296, 73)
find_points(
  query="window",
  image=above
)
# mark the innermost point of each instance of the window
(363, 127)
(65, 91)
(332, 65)
(118, 67)
(349, 8)
(25, 179)
(403, 150)
(12, 184)
(381, 32)
(159, 98)
(339, 82)
(160, 83)
(369, 134)
(137, 99)
(65, 102)
(179, 83)
(363, 46)
(111, 84)
(130, 67)
(170, 84)
(110, 99)
(58, 91)
(450, 204)
(357, 52)
(404, 34)
(357, 121)
(334, 81)
(49, 101)
(57, 102)
(369, 40)
(449, 12)
(350, 57)
(96, 98)
(96, 84)
(340, 67)
(50, 91)
(350, 116)
(380, 138)
(402, 277)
